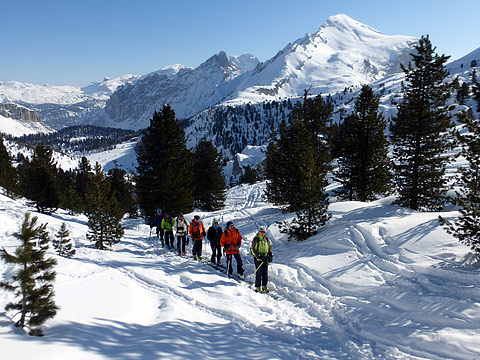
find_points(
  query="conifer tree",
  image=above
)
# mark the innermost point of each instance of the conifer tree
(467, 227)
(308, 127)
(63, 244)
(419, 131)
(32, 284)
(7, 171)
(39, 180)
(364, 167)
(165, 171)
(82, 178)
(120, 189)
(296, 169)
(314, 199)
(103, 212)
(210, 185)
(249, 175)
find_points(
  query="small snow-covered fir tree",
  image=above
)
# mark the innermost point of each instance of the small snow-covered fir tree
(32, 284)
(63, 244)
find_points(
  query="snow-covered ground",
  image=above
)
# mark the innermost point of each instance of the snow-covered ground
(377, 282)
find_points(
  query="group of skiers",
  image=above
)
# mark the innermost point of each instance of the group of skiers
(230, 239)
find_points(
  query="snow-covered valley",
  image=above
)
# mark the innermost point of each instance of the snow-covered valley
(378, 281)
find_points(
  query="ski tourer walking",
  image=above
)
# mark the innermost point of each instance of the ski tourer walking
(262, 254)
(214, 234)
(167, 226)
(157, 222)
(197, 232)
(181, 231)
(231, 241)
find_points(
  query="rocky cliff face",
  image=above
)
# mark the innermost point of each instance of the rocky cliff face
(188, 91)
(20, 113)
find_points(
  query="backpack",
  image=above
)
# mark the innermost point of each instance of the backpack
(196, 229)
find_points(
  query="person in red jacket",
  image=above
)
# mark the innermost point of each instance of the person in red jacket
(197, 232)
(231, 241)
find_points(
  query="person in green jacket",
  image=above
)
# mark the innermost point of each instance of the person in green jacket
(262, 254)
(167, 225)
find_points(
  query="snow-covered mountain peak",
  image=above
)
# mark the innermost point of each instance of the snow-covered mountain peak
(103, 90)
(344, 23)
(342, 53)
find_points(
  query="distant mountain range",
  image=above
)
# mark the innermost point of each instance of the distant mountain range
(225, 98)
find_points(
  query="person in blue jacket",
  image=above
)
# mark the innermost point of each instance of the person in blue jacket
(157, 222)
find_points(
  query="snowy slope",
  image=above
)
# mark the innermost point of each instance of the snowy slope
(378, 281)
(39, 94)
(18, 128)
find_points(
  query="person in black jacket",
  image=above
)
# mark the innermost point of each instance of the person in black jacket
(214, 234)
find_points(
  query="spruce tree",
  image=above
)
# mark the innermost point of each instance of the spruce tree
(32, 284)
(296, 168)
(103, 212)
(39, 181)
(364, 167)
(419, 131)
(83, 174)
(314, 199)
(210, 186)
(63, 244)
(120, 189)
(309, 127)
(165, 173)
(467, 227)
(7, 171)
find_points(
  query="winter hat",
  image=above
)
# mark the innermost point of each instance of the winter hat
(262, 228)
(214, 221)
(197, 217)
(180, 214)
(229, 223)
(159, 210)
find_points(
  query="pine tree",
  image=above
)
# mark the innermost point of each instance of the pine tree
(210, 186)
(463, 93)
(165, 171)
(7, 171)
(364, 167)
(418, 132)
(308, 128)
(39, 181)
(63, 245)
(296, 168)
(120, 189)
(467, 227)
(33, 282)
(103, 212)
(314, 199)
(249, 175)
(82, 178)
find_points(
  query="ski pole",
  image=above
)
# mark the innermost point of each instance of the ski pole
(258, 268)
(228, 266)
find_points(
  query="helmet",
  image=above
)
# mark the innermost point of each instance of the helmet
(214, 221)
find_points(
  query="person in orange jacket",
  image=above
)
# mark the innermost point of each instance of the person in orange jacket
(197, 232)
(231, 241)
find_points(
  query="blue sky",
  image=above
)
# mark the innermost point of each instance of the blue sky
(72, 42)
